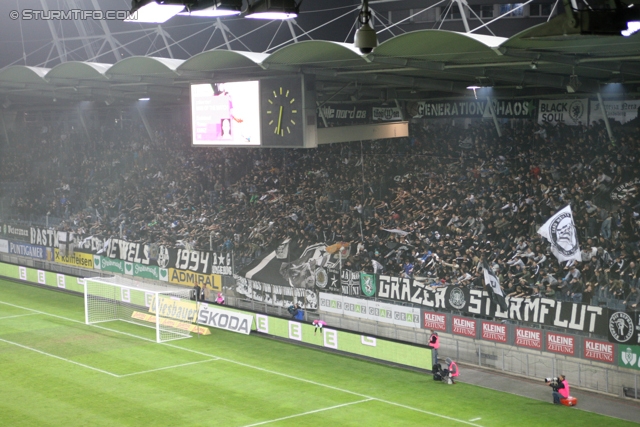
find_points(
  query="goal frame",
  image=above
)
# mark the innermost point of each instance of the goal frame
(158, 293)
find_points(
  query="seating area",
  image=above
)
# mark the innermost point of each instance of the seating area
(430, 207)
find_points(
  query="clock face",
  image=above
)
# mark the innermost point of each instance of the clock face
(282, 112)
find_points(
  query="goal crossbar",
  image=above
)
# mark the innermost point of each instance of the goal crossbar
(168, 310)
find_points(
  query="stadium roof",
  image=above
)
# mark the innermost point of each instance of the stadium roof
(411, 66)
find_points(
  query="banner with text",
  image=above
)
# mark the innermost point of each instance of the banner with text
(620, 111)
(571, 316)
(479, 108)
(568, 111)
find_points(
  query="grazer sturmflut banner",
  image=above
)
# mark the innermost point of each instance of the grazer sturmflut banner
(541, 311)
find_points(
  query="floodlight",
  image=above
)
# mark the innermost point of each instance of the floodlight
(154, 11)
(214, 8)
(273, 9)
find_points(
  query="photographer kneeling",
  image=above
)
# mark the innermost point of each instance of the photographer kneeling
(560, 388)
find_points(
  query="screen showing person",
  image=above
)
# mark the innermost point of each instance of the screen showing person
(225, 114)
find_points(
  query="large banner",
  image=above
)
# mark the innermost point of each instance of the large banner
(620, 111)
(568, 111)
(544, 311)
(14, 232)
(275, 295)
(479, 108)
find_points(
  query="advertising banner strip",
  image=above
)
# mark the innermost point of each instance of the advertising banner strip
(189, 278)
(4, 246)
(530, 338)
(629, 356)
(168, 322)
(494, 331)
(25, 249)
(560, 343)
(599, 350)
(230, 320)
(435, 321)
(78, 259)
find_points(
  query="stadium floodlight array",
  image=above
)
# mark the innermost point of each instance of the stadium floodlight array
(169, 310)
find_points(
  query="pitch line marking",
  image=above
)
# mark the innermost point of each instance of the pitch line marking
(166, 367)
(309, 412)
(476, 419)
(60, 358)
(270, 371)
(18, 315)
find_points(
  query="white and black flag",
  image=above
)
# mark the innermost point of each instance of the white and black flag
(561, 233)
(492, 281)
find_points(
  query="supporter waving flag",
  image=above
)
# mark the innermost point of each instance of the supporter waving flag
(492, 281)
(561, 233)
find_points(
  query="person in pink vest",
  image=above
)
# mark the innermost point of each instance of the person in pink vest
(560, 389)
(220, 299)
(452, 370)
(319, 324)
(434, 345)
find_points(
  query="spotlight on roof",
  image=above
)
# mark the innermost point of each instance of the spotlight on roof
(154, 11)
(213, 8)
(632, 28)
(273, 9)
(366, 38)
(474, 89)
(143, 99)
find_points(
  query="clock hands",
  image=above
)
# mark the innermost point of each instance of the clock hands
(278, 128)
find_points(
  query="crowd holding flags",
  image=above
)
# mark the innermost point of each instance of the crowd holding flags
(560, 231)
(492, 282)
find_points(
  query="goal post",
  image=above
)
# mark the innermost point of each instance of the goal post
(169, 310)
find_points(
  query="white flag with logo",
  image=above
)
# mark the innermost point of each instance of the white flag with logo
(561, 233)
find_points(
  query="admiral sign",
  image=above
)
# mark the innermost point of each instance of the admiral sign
(435, 321)
(494, 331)
(462, 326)
(563, 344)
(598, 350)
(529, 338)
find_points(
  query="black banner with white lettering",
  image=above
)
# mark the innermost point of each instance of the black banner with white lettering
(343, 114)
(479, 108)
(280, 296)
(14, 232)
(571, 316)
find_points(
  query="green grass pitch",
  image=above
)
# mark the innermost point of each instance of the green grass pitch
(57, 371)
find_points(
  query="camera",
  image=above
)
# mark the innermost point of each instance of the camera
(551, 380)
(366, 39)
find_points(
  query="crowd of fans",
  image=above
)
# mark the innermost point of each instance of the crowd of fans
(432, 207)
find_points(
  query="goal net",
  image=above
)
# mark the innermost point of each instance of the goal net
(169, 310)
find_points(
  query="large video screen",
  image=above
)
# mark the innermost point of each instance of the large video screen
(225, 114)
